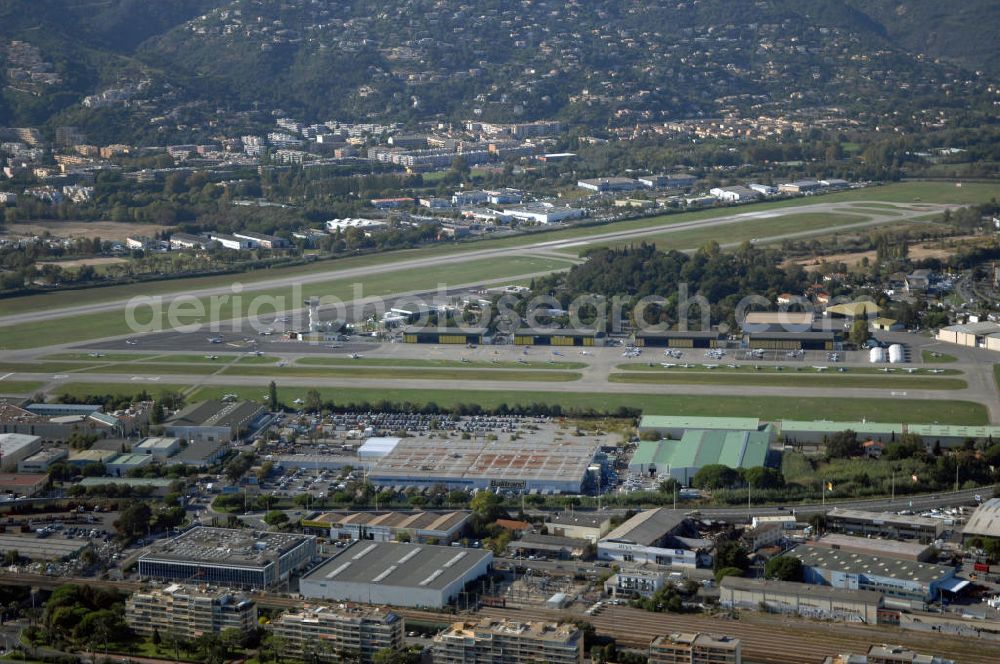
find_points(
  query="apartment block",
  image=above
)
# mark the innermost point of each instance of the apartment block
(334, 633)
(188, 612)
(695, 649)
(507, 642)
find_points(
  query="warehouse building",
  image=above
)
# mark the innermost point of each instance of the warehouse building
(16, 447)
(216, 421)
(590, 526)
(695, 648)
(819, 431)
(83, 458)
(23, 484)
(655, 536)
(38, 420)
(158, 447)
(416, 527)
(123, 464)
(188, 612)
(678, 339)
(819, 340)
(953, 435)
(984, 522)
(331, 633)
(229, 557)
(681, 460)
(200, 453)
(884, 524)
(895, 578)
(541, 336)
(416, 575)
(809, 601)
(972, 335)
(756, 322)
(441, 335)
(41, 461)
(525, 463)
(548, 546)
(878, 547)
(492, 641)
(676, 426)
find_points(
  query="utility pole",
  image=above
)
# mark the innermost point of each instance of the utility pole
(893, 498)
(957, 461)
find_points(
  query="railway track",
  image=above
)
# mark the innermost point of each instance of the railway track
(766, 639)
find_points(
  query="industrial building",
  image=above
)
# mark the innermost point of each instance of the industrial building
(756, 322)
(807, 600)
(229, 557)
(972, 335)
(542, 336)
(330, 633)
(40, 461)
(59, 424)
(984, 522)
(655, 536)
(818, 431)
(812, 340)
(681, 648)
(526, 462)
(878, 547)
(952, 435)
(441, 335)
(215, 421)
(603, 185)
(548, 546)
(158, 447)
(417, 575)
(884, 524)
(675, 426)
(16, 447)
(23, 484)
(590, 526)
(678, 339)
(895, 578)
(84, 458)
(416, 527)
(123, 464)
(681, 460)
(200, 453)
(492, 641)
(188, 612)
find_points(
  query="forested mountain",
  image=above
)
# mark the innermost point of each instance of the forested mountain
(599, 62)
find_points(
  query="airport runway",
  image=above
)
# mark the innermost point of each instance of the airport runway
(326, 272)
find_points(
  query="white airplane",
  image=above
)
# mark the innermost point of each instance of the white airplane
(281, 364)
(335, 345)
(667, 365)
(584, 352)
(97, 354)
(131, 342)
(711, 366)
(912, 370)
(779, 368)
(257, 353)
(732, 366)
(820, 368)
(355, 356)
(936, 371)
(215, 340)
(841, 369)
(211, 357)
(229, 397)
(886, 370)
(687, 366)
(298, 401)
(555, 352)
(464, 359)
(522, 360)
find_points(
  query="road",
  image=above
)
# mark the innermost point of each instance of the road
(541, 247)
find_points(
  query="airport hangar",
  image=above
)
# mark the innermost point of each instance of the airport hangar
(229, 557)
(439, 335)
(396, 573)
(681, 460)
(679, 339)
(522, 465)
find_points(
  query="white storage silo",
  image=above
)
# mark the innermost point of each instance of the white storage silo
(896, 355)
(876, 355)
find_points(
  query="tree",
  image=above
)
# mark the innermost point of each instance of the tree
(784, 568)
(272, 391)
(487, 504)
(731, 554)
(157, 639)
(760, 477)
(134, 520)
(314, 401)
(715, 476)
(276, 518)
(727, 571)
(842, 445)
(859, 333)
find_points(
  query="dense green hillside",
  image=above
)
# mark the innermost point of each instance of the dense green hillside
(596, 61)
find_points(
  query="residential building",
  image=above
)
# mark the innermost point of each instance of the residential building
(332, 633)
(491, 641)
(696, 648)
(635, 581)
(188, 612)
(886, 654)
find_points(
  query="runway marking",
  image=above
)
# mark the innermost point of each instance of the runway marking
(60, 376)
(6, 375)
